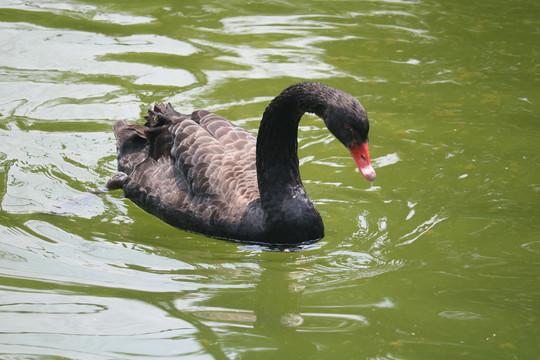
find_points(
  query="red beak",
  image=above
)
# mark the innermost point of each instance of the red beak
(360, 154)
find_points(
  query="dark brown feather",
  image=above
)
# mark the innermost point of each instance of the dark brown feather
(185, 169)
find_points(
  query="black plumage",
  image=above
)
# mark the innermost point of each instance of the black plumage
(201, 173)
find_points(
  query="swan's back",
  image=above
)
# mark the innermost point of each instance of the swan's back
(195, 171)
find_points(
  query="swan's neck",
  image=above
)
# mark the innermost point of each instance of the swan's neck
(277, 145)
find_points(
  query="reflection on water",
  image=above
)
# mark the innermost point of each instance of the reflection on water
(435, 257)
(210, 306)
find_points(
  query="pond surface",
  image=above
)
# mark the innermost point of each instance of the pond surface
(438, 259)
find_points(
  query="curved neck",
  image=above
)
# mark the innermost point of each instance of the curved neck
(277, 142)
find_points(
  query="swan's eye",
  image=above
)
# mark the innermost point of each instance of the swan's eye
(347, 125)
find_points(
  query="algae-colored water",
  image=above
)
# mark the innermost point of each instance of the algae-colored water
(438, 259)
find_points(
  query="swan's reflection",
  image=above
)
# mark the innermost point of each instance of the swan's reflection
(278, 296)
(228, 322)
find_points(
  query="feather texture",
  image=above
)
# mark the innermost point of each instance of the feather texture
(196, 160)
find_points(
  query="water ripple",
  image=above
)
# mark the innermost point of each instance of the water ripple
(90, 12)
(100, 54)
(421, 229)
(291, 25)
(427, 259)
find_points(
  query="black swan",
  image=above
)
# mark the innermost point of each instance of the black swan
(203, 174)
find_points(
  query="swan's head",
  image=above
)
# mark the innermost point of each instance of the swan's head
(349, 123)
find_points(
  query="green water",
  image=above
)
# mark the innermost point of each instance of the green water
(439, 259)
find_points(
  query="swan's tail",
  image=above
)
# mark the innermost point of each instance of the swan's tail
(162, 114)
(131, 144)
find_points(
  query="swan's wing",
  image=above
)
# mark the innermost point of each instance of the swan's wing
(215, 157)
(196, 172)
(239, 165)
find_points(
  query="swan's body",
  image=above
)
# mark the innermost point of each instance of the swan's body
(201, 173)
